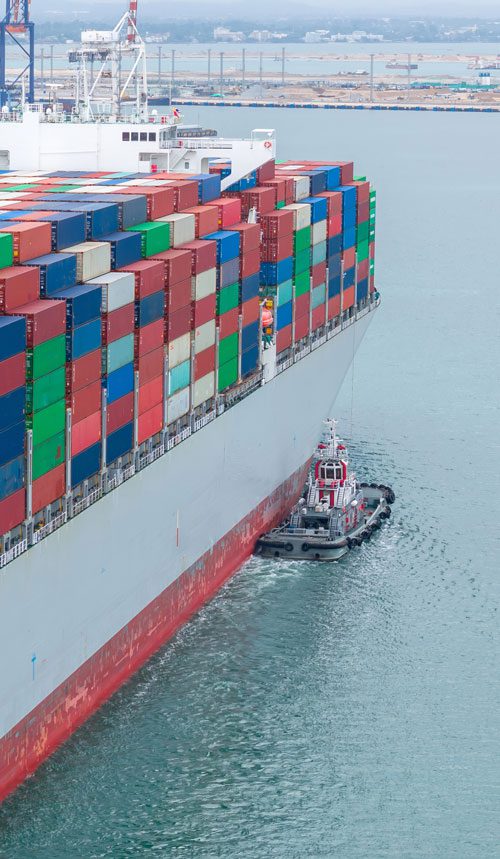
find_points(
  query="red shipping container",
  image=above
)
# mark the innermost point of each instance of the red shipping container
(279, 184)
(372, 283)
(262, 199)
(333, 308)
(150, 394)
(302, 306)
(178, 295)
(228, 323)
(302, 325)
(349, 258)
(18, 286)
(266, 170)
(363, 192)
(48, 488)
(371, 248)
(249, 237)
(334, 199)
(119, 413)
(229, 209)
(150, 366)
(203, 311)
(148, 338)
(176, 265)
(250, 311)
(117, 324)
(34, 216)
(179, 323)
(284, 339)
(160, 201)
(276, 224)
(150, 423)
(250, 263)
(85, 433)
(206, 220)
(348, 297)
(30, 240)
(318, 317)
(45, 319)
(363, 269)
(318, 273)
(12, 510)
(277, 249)
(149, 277)
(204, 363)
(83, 371)
(363, 212)
(12, 373)
(185, 194)
(203, 255)
(335, 225)
(86, 401)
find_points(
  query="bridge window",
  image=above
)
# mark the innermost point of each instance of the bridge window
(125, 136)
(152, 136)
(143, 136)
(134, 136)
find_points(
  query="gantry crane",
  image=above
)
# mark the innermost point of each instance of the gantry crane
(17, 23)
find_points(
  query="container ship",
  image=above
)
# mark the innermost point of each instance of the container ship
(177, 314)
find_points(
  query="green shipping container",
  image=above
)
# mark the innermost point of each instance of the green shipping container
(6, 250)
(362, 251)
(155, 237)
(362, 231)
(48, 422)
(46, 390)
(46, 357)
(48, 455)
(228, 349)
(179, 377)
(61, 188)
(302, 283)
(228, 298)
(284, 292)
(302, 261)
(301, 240)
(20, 187)
(228, 374)
(280, 205)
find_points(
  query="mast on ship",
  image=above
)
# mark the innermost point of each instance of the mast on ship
(103, 92)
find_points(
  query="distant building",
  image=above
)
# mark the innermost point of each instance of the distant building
(223, 34)
(313, 36)
(261, 35)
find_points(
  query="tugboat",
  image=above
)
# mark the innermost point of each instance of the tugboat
(336, 513)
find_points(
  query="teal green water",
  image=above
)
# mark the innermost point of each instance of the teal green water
(345, 710)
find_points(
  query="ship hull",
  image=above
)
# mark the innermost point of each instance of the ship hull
(117, 581)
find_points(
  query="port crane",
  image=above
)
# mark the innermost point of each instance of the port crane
(15, 25)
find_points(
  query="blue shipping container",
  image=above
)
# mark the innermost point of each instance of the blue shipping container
(333, 245)
(67, 229)
(319, 208)
(349, 196)
(119, 383)
(250, 287)
(85, 464)
(12, 336)
(228, 245)
(11, 476)
(349, 277)
(125, 248)
(348, 218)
(284, 316)
(120, 442)
(209, 186)
(12, 442)
(349, 238)
(100, 218)
(83, 339)
(334, 265)
(249, 360)
(132, 209)
(334, 286)
(317, 178)
(83, 303)
(276, 272)
(228, 273)
(57, 271)
(250, 335)
(332, 177)
(149, 309)
(12, 407)
(362, 289)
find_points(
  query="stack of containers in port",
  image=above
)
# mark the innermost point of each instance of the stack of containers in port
(373, 208)
(249, 301)
(362, 239)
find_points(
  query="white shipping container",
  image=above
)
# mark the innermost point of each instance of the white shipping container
(301, 215)
(177, 405)
(97, 189)
(301, 188)
(204, 336)
(179, 350)
(118, 289)
(318, 232)
(204, 284)
(182, 228)
(92, 259)
(203, 389)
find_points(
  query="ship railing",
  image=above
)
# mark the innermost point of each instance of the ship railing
(318, 342)
(152, 456)
(87, 501)
(198, 143)
(50, 527)
(176, 439)
(243, 389)
(204, 420)
(301, 353)
(284, 365)
(10, 554)
(128, 472)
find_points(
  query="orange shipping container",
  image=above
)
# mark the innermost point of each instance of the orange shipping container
(31, 239)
